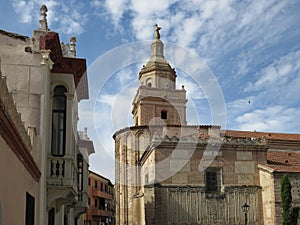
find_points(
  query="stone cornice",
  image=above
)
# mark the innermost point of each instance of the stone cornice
(265, 168)
(146, 127)
(13, 132)
(211, 140)
(151, 66)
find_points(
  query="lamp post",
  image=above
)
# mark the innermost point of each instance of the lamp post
(245, 209)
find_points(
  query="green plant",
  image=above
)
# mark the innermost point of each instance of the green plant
(286, 197)
(294, 216)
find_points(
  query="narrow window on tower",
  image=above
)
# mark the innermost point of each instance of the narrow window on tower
(164, 114)
(59, 121)
(146, 178)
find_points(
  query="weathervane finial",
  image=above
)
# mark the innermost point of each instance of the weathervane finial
(156, 31)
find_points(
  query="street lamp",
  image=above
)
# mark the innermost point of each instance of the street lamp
(245, 209)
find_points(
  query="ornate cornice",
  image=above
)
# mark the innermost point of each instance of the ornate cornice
(61, 64)
(210, 139)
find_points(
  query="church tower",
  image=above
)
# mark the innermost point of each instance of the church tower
(157, 101)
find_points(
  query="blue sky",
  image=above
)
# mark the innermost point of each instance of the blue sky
(251, 48)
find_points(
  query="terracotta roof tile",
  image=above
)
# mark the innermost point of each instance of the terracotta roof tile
(284, 161)
(268, 135)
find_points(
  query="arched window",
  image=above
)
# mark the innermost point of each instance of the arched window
(149, 82)
(59, 121)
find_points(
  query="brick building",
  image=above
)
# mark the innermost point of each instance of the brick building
(101, 201)
(171, 173)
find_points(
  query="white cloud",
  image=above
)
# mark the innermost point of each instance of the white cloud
(100, 130)
(116, 8)
(272, 118)
(212, 28)
(115, 109)
(193, 91)
(95, 3)
(128, 76)
(278, 82)
(23, 10)
(60, 16)
(240, 106)
(109, 113)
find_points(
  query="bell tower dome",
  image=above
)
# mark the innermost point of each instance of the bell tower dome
(157, 101)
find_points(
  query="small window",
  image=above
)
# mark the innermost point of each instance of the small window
(80, 172)
(102, 204)
(163, 114)
(96, 183)
(101, 187)
(89, 181)
(29, 209)
(213, 180)
(89, 201)
(96, 203)
(106, 188)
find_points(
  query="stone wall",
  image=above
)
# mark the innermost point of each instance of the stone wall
(191, 205)
(164, 162)
(268, 197)
(179, 162)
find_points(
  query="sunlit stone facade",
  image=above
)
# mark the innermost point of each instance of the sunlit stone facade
(169, 172)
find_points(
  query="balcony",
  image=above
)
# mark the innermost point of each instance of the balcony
(102, 194)
(82, 204)
(62, 172)
(99, 212)
(62, 179)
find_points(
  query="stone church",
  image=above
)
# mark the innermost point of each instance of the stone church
(172, 173)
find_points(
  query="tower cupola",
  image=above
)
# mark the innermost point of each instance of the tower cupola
(157, 101)
(157, 73)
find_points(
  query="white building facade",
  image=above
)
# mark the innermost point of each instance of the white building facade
(47, 82)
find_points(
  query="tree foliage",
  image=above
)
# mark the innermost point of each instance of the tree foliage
(286, 197)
